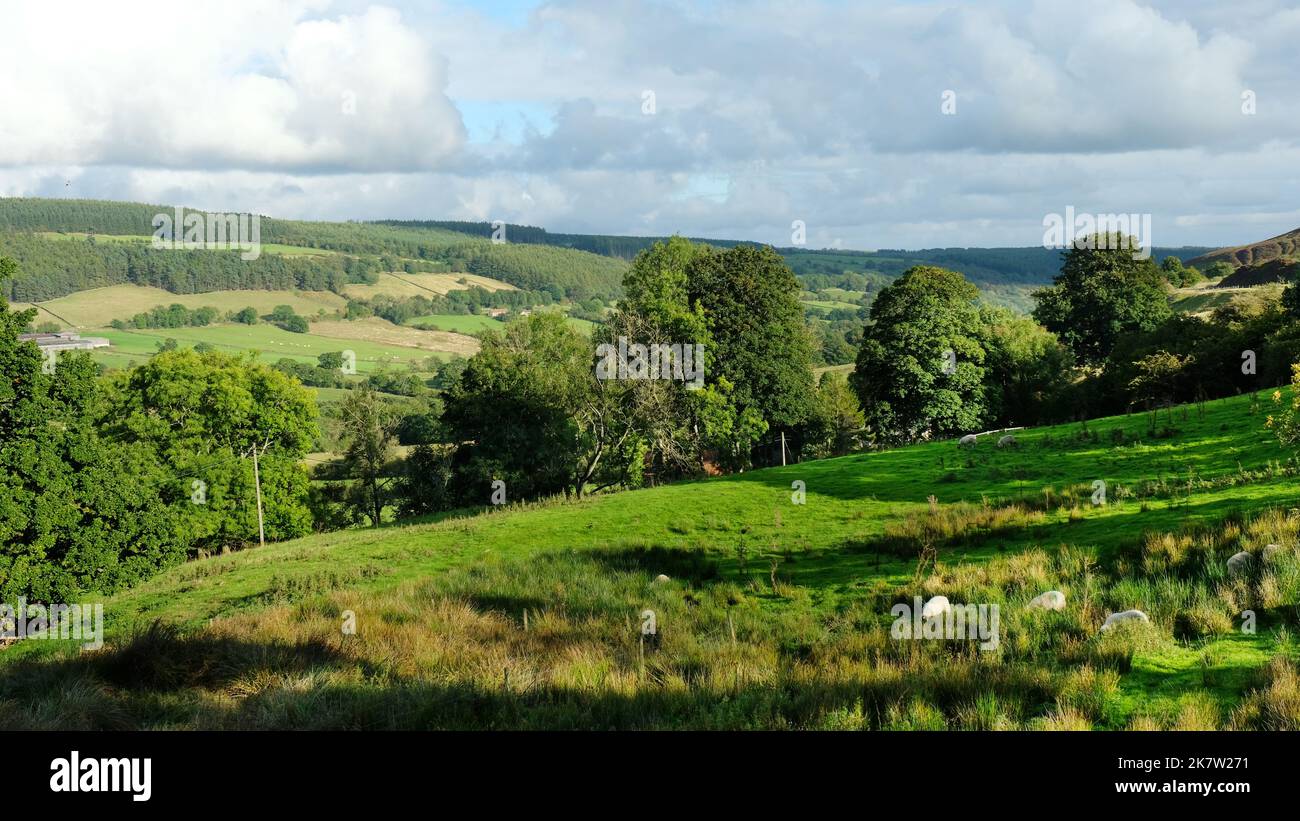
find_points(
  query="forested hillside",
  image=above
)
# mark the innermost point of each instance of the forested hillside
(574, 266)
(53, 266)
(1004, 275)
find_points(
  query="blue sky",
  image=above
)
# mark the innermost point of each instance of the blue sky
(509, 12)
(763, 113)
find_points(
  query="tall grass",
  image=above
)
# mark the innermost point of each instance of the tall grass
(554, 641)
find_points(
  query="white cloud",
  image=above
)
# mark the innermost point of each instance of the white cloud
(765, 112)
(253, 86)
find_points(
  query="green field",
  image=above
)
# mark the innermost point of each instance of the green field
(273, 342)
(775, 615)
(460, 323)
(473, 323)
(425, 285)
(98, 307)
(830, 305)
(843, 295)
(98, 237)
(844, 369)
(586, 326)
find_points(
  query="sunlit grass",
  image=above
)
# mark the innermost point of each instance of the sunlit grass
(806, 588)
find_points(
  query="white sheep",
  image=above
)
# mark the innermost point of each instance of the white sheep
(1051, 600)
(1239, 563)
(661, 578)
(1125, 617)
(1007, 441)
(936, 607)
(967, 441)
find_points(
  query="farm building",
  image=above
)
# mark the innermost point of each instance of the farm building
(64, 341)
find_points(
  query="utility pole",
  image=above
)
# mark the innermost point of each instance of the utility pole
(257, 486)
(783, 448)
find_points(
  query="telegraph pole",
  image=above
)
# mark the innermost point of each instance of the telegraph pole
(257, 487)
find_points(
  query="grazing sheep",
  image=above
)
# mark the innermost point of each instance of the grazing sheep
(1239, 563)
(661, 578)
(1125, 617)
(936, 607)
(967, 441)
(1051, 600)
(1007, 441)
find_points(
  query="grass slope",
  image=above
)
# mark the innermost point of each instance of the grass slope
(425, 285)
(459, 323)
(1284, 245)
(274, 343)
(805, 590)
(98, 307)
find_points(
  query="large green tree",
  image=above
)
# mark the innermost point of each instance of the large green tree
(1103, 291)
(655, 310)
(528, 410)
(920, 370)
(368, 428)
(839, 415)
(742, 306)
(1026, 368)
(758, 340)
(207, 416)
(78, 512)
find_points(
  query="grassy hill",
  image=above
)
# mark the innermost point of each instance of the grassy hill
(1006, 276)
(1263, 273)
(533, 258)
(1284, 245)
(50, 238)
(405, 285)
(388, 346)
(376, 342)
(775, 614)
(98, 307)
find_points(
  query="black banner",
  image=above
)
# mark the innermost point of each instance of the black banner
(146, 772)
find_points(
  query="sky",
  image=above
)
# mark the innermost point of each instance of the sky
(870, 124)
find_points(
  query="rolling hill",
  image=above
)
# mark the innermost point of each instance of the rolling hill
(1284, 246)
(532, 258)
(1279, 269)
(774, 614)
(98, 307)
(38, 233)
(1004, 275)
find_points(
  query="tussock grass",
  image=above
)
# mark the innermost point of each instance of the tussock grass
(962, 523)
(554, 641)
(775, 615)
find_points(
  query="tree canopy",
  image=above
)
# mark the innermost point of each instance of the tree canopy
(1101, 293)
(920, 370)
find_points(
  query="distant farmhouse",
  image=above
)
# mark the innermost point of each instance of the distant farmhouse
(64, 341)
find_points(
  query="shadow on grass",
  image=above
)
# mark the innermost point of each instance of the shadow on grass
(695, 566)
(1119, 531)
(160, 658)
(163, 679)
